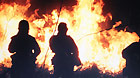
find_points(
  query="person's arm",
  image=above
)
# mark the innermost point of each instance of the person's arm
(11, 47)
(74, 48)
(52, 44)
(75, 52)
(36, 49)
(124, 53)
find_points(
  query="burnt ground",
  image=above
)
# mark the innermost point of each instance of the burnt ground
(44, 73)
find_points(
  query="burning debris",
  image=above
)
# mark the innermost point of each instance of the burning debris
(86, 17)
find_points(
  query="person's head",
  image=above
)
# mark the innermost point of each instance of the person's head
(23, 26)
(62, 28)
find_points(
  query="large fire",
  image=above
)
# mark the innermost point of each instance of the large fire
(103, 48)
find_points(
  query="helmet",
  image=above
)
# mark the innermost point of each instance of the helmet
(62, 27)
(23, 25)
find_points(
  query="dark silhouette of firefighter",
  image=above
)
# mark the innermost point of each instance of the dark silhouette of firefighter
(132, 52)
(26, 50)
(132, 56)
(66, 53)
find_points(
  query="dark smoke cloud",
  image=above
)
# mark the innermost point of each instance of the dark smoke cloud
(47, 6)
(44, 6)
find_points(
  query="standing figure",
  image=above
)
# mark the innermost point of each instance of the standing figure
(66, 53)
(26, 50)
(132, 52)
(132, 56)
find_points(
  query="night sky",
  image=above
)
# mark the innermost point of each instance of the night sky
(127, 11)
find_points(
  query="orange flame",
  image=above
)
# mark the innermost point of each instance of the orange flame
(103, 49)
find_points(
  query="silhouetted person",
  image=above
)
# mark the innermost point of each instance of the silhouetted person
(132, 56)
(26, 50)
(66, 53)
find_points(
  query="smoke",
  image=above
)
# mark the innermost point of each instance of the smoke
(44, 6)
(47, 6)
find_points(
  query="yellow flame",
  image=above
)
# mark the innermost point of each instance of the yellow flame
(103, 49)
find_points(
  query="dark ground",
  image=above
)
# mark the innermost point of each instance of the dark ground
(43, 73)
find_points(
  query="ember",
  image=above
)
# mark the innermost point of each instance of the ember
(103, 49)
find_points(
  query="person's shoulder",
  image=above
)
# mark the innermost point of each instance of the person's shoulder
(135, 44)
(14, 37)
(69, 37)
(54, 37)
(31, 37)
